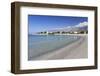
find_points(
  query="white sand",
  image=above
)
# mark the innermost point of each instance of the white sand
(76, 50)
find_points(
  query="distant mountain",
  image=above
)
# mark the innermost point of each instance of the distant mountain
(84, 28)
(71, 29)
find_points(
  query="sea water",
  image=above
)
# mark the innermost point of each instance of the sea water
(41, 44)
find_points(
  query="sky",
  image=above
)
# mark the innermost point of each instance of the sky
(38, 23)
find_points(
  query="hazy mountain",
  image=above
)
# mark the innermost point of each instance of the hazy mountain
(71, 29)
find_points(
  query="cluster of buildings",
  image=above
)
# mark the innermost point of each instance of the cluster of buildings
(63, 32)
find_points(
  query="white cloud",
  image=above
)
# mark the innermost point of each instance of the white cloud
(82, 24)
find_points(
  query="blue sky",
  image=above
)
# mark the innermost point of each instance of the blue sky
(38, 23)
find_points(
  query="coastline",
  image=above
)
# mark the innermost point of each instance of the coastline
(63, 34)
(75, 50)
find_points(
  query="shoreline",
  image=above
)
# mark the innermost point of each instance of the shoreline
(61, 34)
(67, 52)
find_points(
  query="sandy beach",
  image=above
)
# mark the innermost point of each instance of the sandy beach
(76, 50)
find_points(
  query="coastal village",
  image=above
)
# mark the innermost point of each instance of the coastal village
(63, 32)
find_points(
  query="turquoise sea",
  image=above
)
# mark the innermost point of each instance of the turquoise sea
(42, 44)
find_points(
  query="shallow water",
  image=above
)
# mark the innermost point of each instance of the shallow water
(42, 44)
